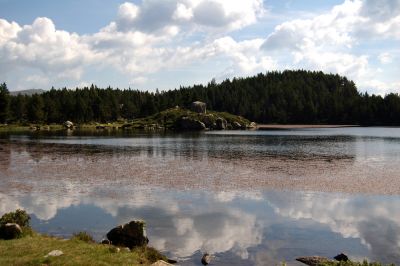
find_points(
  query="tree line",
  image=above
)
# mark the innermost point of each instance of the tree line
(274, 97)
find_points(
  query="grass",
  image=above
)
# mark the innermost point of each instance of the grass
(28, 127)
(31, 250)
(83, 236)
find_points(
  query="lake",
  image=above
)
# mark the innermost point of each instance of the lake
(247, 197)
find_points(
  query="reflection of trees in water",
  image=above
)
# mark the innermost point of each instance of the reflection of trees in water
(5, 156)
(195, 147)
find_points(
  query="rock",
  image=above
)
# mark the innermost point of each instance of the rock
(68, 124)
(341, 257)
(206, 259)
(129, 235)
(221, 123)
(10, 231)
(252, 125)
(113, 249)
(198, 107)
(160, 263)
(54, 253)
(313, 260)
(100, 127)
(236, 125)
(208, 120)
(186, 123)
(105, 242)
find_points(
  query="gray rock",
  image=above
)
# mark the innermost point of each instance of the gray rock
(198, 107)
(55, 253)
(313, 260)
(105, 242)
(129, 235)
(208, 120)
(236, 125)
(10, 231)
(252, 125)
(206, 259)
(68, 124)
(221, 123)
(186, 123)
(341, 257)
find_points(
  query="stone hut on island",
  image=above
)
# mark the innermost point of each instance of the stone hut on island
(198, 107)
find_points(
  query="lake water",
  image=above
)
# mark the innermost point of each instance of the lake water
(247, 197)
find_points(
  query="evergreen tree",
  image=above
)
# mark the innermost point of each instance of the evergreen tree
(36, 109)
(275, 97)
(4, 103)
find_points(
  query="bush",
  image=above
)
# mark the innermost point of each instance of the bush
(83, 236)
(19, 217)
(149, 255)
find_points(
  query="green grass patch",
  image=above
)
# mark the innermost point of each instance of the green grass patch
(31, 250)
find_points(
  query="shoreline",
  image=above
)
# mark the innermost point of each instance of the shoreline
(300, 126)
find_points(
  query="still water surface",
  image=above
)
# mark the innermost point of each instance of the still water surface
(248, 197)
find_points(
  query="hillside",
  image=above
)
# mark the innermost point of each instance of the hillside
(288, 97)
(183, 119)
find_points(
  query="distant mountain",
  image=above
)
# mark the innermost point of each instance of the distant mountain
(27, 92)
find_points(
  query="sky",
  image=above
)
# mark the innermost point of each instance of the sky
(165, 44)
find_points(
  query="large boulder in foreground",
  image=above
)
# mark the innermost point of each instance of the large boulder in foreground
(132, 234)
(10, 231)
(186, 123)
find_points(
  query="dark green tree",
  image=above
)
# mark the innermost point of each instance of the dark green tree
(4, 103)
(36, 112)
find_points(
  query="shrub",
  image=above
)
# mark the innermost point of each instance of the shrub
(19, 217)
(83, 236)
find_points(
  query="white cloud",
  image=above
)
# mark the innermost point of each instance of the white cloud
(157, 35)
(385, 58)
(329, 41)
(352, 217)
(40, 46)
(154, 15)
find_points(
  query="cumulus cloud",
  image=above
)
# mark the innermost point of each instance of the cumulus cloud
(385, 58)
(143, 40)
(376, 225)
(329, 41)
(155, 15)
(41, 47)
(156, 35)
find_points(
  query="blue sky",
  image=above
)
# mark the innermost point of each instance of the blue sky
(149, 44)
